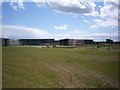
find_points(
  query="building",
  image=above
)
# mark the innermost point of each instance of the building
(36, 41)
(82, 41)
(13, 42)
(75, 42)
(78, 42)
(56, 42)
(9, 42)
(88, 41)
(63, 42)
(5, 42)
(67, 42)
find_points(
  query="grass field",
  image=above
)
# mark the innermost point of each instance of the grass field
(32, 67)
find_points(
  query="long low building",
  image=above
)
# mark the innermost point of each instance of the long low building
(36, 41)
(82, 41)
(62, 42)
(75, 42)
(9, 42)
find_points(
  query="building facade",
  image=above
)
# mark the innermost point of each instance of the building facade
(56, 42)
(62, 42)
(14, 42)
(67, 42)
(5, 42)
(82, 41)
(36, 41)
(88, 41)
(75, 42)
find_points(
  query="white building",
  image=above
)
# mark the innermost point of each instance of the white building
(13, 42)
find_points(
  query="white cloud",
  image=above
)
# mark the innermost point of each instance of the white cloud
(40, 3)
(109, 10)
(74, 7)
(70, 6)
(17, 32)
(12, 31)
(66, 6)
(103, 36)
(93, 26)
(17, 4)
(100, 6)
(76, 34)
(62, 27)
(104, 23)
(93, 13)
(1, 1)
(80, 34)
(85, 20)
(108, 15)
(111, 1)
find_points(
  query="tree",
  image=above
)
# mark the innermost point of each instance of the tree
(109, 41)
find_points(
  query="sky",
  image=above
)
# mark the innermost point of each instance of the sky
(73, 19)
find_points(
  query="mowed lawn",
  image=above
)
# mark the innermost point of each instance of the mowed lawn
(32, 67)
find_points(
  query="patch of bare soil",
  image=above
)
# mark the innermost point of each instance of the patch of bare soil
(72, 77)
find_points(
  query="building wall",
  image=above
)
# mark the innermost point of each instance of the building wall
(89, 41)
(13, 42)
(75, 42)
(56, 42)
(64, 42)
(5, 42)
(82, 41)
(67, 42)
(78, 42)
(70, 42)
(36, 41)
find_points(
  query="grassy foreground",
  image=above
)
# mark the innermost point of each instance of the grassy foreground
(32, 67)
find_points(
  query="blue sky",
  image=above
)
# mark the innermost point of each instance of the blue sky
(58, 20)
